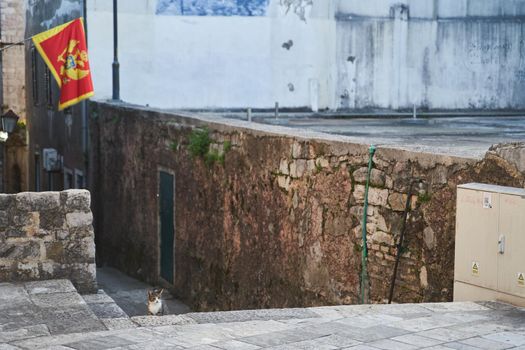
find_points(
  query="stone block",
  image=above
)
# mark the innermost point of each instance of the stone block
(34, 201)
(322, 162)
(77, 232)
(118, 323)
(12, 296)
(310, 166)
(377, 196)
(167, 320)
(100, 297)
(377, 177)
(20, 251)
(513, 153)
(297, 168)
(397, 201)
(67, 299)
(49, 286)
(26, 271)
(6, 201)
(359, 193)
(296, 150)
(55, 251)
(23, 333)
(76, 200)
(52, 219)
(77, 219)
(83, 275)
(4, 219)
(14, 232)
(72, 320)
(107, 310)
(429, 238)
(26, 218)
(284, 182)
(379, 237)
(423, 277)
(283, 167)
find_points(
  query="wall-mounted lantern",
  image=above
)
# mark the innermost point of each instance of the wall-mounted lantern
(9, 120)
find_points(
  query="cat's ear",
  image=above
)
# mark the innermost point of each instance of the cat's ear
(149, 293)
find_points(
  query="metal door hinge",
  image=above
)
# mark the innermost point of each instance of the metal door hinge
(501, 244)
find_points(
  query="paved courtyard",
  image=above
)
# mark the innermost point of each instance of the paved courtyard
(51, 315)
(453, 134)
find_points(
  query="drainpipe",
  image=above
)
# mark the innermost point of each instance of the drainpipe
(116, 80)
(364, 252)
(85, 139)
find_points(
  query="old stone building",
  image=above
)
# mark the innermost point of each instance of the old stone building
(13, 153)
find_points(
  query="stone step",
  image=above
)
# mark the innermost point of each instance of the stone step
(41, 308)
(107, 310)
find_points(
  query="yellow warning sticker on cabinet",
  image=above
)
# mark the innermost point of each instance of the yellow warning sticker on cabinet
(521, 279)
(475, 268)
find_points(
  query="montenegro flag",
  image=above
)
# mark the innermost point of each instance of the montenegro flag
(64, 50)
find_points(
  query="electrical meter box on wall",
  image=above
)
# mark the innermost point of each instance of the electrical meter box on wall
(490, 244)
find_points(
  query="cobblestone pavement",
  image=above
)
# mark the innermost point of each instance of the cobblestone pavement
(130, 294)
(51, 315)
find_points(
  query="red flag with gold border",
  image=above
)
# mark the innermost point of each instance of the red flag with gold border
(64, 50)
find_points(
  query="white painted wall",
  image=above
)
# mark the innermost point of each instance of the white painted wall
(347, 54)
(213, 61)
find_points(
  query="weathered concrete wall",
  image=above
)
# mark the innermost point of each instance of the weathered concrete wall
(215, 61)
(335, 54)
(276, 221)
(47, 235)
(398, 61)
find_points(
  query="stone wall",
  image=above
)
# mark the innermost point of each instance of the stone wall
(267, 219)
(47, 235)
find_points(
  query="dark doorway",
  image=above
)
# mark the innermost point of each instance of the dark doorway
(167, 227)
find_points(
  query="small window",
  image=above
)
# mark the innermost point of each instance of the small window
(79, 179)
(37, 172)
(49, 88)
(34, 71)
(68, 179)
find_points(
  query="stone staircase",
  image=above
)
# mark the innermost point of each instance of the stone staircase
(54, 307)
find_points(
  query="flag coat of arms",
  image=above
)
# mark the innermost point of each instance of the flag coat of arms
(64, 50)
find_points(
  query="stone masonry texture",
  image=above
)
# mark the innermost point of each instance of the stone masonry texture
(30, 319)
(47, 235)
(12, 22)
(268, 220)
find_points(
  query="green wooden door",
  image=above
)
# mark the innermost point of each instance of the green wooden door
(167, 227)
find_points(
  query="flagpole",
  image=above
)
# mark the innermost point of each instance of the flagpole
(116, 80)
(15, 44)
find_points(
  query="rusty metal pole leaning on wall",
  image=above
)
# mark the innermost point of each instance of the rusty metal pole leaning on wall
(365, 289)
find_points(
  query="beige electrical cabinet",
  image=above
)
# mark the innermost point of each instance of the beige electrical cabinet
(490, 244)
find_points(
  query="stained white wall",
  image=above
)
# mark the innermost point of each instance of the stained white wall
(467, 62)
(214, 61)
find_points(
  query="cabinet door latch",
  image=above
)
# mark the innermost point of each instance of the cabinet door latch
(501, 244)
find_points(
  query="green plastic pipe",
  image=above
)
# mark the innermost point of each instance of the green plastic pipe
(364, 251)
